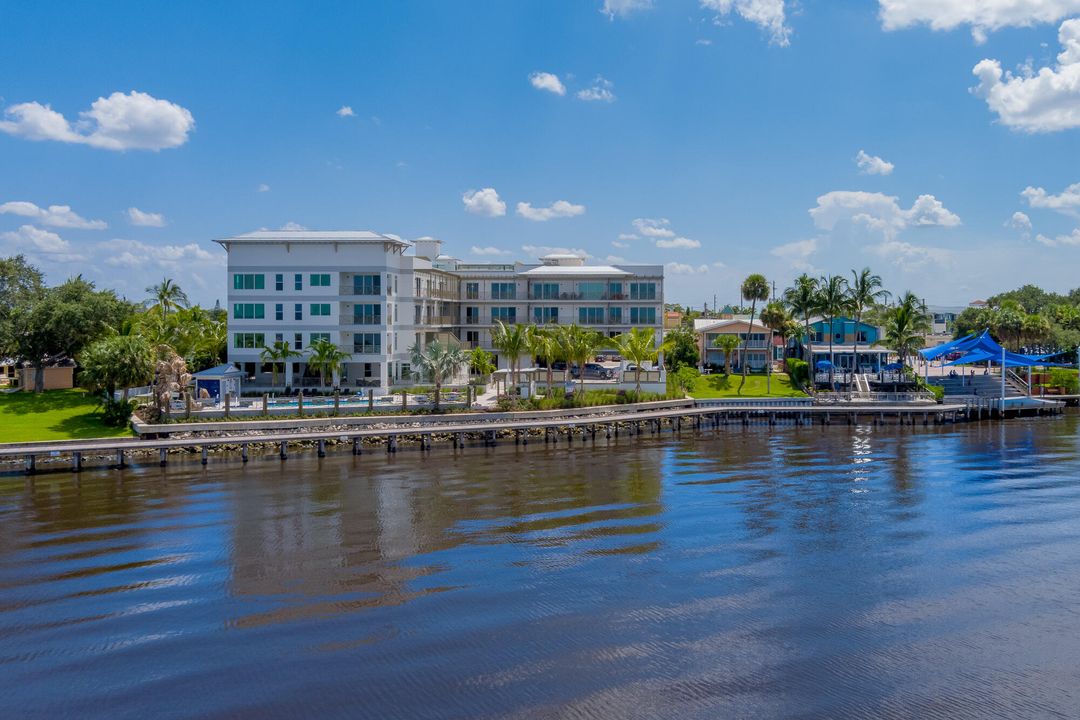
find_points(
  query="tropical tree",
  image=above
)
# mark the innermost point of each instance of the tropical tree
(279, 354)
(122, 361)
(681, 348)
(170, 375)
(579, 345)
(481, 362)
(906, 326)
(544, 343)
(436, 363)
(802, 299)
(866, 291)
(833, 302)
(167, 296)
(776, 317)
(511, 341)
(638, 346)
(754, 288)
(326, 358)
(729, 344)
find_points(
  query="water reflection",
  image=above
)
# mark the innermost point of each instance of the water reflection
(879, 572)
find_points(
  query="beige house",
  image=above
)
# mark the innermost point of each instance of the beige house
(58, 377)
(758, 347)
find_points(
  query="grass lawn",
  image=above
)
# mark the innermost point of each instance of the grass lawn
(52, 415)
(722, 386)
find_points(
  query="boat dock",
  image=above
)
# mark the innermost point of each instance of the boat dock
(458, 432)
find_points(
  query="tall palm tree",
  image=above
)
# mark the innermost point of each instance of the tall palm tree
(542, 342)
(436, 363)
(866, 291)
(755, 287)
(279, 353)
(167, 295)
(512, 341)
(123, 361)
(326, 358)
(775, 316)
(833, 302)
(729, 344)
(906, 326)
(802, 299)
(579, 345)
(638, 346)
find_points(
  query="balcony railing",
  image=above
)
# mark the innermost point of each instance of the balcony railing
(441, 320)
(587, 297)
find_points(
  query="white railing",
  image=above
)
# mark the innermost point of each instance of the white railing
(829, 398)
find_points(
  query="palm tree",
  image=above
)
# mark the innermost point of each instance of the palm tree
(906, 326)
(578, 345)
(542, 342)
(326, 358)
(833, 302)
(481, 362)
(279, 352)
(755, 287)
(638, 346)
(729, 344)
(512, 341)
(123, 361)
(802, 299)
(167, 295)
(437, 363)
(866, 291)
(775, 316)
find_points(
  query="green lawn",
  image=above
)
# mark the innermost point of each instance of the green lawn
(52, 415)
(722, 386)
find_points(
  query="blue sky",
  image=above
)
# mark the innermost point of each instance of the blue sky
(738, 122)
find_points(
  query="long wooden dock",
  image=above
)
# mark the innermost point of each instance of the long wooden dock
(551, 428)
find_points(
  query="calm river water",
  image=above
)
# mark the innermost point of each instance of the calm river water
(797, 572)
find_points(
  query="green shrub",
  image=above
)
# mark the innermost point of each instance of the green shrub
(116, 413)
(799, 370)
(684, 379)
(1065, 378)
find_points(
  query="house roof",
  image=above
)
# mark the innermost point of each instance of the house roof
(313, 236)
(713, 325)
(220, 371)
(554, 270)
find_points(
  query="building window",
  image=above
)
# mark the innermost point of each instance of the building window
(367, 343)
(472, 315)
(642, 291)
(503, 291)
(507, 315)
(591, 316)
(615, 316)
(319, 280)
(298, 341)
(642, 315)
(247, 311)
(247, 281)
(315, 337)
(591, 290)
(279, 312)
(319, 309)
(279, 282)
(544, 315)
(367, 314)
(417, 287)
(545, 291)
(367, 284)
(615, 291)
(472, 337)
(248, 341)
(298, 281)
(472, 291)
(298, 311)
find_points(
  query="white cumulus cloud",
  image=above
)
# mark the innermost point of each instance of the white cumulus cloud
(622, 8)
(135, 254)
(541, 250)
(1065, 202)
(678, 268)
(1043, 101)
(345, 111)
(145, 219)
(1020, 221)
(135, 121)
(547, 81)
(1072, 239)
(879, 212)
(619, 244)
(292, 227)
(872, 164)
(61, 216)
(488, 250)
(652, 227)
(485, 202)
(982, 16)
(600, 91)
(769, 15)
(558, 209)
(682, 243)
(39, 245)
(797, 253)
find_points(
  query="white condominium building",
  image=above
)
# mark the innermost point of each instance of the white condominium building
(375, 296)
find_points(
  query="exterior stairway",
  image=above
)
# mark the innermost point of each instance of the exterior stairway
(988, 386)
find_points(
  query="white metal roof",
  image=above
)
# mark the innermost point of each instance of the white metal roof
(713, 324)
(314, 236)
(575, 270)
